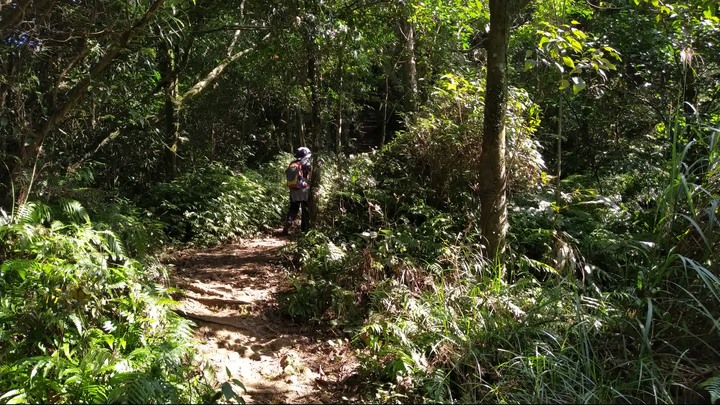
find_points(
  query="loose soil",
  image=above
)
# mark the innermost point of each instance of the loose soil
(231, 292)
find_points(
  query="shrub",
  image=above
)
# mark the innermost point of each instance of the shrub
(81, 322)
(214, 203)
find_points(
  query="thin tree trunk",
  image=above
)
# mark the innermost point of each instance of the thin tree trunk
(169, 76)
(288, 128)
(301, 130)
(314, 125)
(558, 189)
(339, 117)
(383, 127)
(493, 198)
(407, 31)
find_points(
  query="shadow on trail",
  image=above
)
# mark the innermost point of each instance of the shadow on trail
(230, 292)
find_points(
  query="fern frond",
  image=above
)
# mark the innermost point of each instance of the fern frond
(113, 244)
(75, 212)
(34, 212)
(5, 219)
(712, 386)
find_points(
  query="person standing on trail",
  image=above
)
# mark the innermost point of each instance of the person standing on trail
(298, 180)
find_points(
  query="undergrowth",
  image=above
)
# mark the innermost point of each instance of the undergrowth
(82, 322)
(215, 203)
(610, 296)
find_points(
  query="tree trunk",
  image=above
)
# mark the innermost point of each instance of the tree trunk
(171, 109)
(339, 116)
(407, 32)
(314, 125)
(493, 199)
(383, 128)
(558, 185)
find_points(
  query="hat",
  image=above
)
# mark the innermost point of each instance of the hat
(301, 152)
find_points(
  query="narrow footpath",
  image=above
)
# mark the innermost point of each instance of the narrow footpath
(230, 292)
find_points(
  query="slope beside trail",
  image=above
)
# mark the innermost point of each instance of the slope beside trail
(230, 292)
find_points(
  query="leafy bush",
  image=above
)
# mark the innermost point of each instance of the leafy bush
(437, 158)
(214, 203)
(141, 233)
(81, 322)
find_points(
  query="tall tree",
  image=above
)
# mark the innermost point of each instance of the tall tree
(493, 198)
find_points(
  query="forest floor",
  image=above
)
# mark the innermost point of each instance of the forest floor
(231, 293)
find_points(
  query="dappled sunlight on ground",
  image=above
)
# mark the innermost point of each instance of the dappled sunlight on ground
(230, 292)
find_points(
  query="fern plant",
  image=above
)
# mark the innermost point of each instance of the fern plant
(81, 322)
(214, 203)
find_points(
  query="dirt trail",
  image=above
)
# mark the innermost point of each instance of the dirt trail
(230, 292)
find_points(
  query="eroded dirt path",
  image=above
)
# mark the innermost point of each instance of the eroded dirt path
(230, 292)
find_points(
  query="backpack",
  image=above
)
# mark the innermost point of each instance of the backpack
(294, 174)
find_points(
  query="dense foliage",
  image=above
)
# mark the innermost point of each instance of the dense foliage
(606, 301)
(161, 122)
(81, 322)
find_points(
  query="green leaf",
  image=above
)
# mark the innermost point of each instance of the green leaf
(227, 390)
(578, 84)
(78, 323)
(239, 384)
(568, 62)
(17, 396)
(530, 63)
(578, 33)
(577, 46)
(564, 84)
(608, 64)
(713, 387)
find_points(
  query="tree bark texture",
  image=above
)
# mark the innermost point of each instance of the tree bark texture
(493, 196)
(493, 199)
(407, 33)
(315, 138)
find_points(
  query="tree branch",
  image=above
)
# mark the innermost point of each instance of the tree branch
(74, 95)
(32, 149)
(215, 73)
(232, 28)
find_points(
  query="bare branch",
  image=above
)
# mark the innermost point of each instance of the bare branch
(215, 73)
(233, 28)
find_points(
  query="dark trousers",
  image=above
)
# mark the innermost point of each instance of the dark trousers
(292, 214)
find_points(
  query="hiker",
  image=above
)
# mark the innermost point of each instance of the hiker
(298, 181)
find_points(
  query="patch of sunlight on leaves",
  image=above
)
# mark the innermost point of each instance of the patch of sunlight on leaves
(336, 254)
